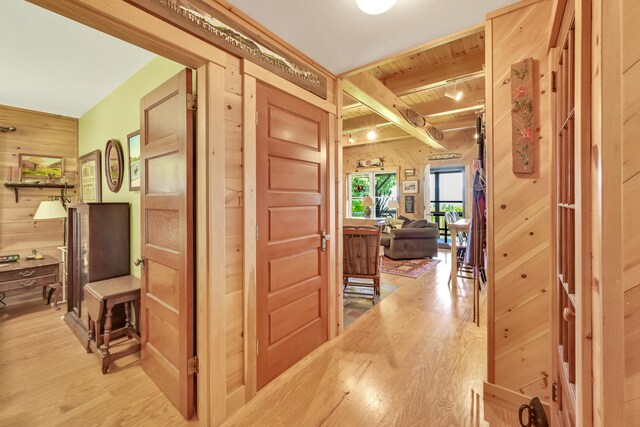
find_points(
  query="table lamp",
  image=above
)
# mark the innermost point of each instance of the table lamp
(393, 204)
(53, 209)
(368, 202)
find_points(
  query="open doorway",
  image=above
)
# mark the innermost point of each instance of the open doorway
(74, 94)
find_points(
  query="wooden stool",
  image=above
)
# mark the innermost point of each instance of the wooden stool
(100, 298)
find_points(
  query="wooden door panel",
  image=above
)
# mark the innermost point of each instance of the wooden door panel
(285, 223)
(293, 175)
(293, 269)
(292, 212)
(290, 127)
(166, 194)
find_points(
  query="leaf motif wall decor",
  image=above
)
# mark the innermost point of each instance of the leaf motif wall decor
(523, 117)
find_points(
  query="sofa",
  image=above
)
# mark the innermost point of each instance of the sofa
(410, 239)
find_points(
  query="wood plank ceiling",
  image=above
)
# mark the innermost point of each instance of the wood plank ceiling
(420, 80)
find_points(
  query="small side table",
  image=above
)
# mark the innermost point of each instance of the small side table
(100, 298)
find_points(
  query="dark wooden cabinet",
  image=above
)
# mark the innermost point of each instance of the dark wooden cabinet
(98, 236)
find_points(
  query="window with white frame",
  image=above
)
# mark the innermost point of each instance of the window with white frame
(381, 186)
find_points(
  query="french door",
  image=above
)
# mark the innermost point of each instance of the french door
(571, 352)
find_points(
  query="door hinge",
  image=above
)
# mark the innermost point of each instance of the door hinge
(257, 347)
(554, 392)
(193, 365)
(256, 118)
(553, 81)
(257, 235)
(192, 102)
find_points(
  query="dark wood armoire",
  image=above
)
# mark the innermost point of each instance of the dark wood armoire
(98, 249)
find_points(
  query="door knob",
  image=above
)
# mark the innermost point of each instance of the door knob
(325, 238)
(139, 261)
(568, 314)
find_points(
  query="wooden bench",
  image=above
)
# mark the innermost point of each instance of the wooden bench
(100, 299)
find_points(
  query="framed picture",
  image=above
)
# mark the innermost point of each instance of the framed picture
(410, 187)
(90, 178)
(409, 172)
(410, 204)
(133, 140)
(39, 166)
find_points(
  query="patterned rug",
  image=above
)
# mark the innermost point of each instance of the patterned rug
(408, 267)
(355, 307)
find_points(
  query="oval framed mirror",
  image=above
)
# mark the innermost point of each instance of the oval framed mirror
(113, 164)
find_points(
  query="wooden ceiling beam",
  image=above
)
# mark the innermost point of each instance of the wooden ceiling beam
(436, 75)
(473, 99)
(369, 91)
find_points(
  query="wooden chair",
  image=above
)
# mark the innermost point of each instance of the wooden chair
(361, 260)
(464, 271)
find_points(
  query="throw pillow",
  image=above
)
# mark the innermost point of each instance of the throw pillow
(421, 223)
(405, 220)
(396, 223)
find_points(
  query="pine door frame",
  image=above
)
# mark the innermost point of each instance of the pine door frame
(252, 75)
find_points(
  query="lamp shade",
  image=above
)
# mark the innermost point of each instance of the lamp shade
(367, 201)
(50, 210)
(393, 204)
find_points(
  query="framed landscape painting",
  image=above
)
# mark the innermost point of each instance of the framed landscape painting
(38, 166)
(134, 160)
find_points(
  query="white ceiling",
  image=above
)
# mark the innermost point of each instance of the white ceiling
(52, 64)
(338, 36)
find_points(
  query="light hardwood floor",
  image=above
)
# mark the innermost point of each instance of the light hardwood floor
(414, 359)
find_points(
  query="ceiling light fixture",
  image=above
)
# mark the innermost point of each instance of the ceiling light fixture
(375, 7)
(453, 92)
(371, 135)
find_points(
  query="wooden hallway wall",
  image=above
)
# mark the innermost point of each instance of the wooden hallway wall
(43, 134)
(631, 206)
(519, 220)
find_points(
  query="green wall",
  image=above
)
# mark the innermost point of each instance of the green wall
(116, 116)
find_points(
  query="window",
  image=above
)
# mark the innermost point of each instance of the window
(381, 186)
(447, 195)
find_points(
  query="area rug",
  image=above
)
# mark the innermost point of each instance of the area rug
(355, 307)
(408, 267)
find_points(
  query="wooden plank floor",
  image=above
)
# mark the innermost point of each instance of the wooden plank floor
(47, 378)
(414, 359)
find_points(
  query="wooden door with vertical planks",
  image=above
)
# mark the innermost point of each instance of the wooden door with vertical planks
(166, 220)
(292, 283)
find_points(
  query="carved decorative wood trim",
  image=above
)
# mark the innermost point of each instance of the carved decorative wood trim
(522, 117)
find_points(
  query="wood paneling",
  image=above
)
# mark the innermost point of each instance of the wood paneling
(410, 153)
(519, 210)
(631, 204)
(36, 133)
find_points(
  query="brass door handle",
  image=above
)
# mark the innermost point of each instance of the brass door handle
(568, 315)
(325, 238)
(139, 261)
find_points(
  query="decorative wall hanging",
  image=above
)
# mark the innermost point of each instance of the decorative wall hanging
(445, 156)
(522, 117)
(410, 187)
(202, 20)
(133, 140)
(370, 163)
(409, 172)
(113, 165)
(409, 204)
(90, 179)
(38, 166)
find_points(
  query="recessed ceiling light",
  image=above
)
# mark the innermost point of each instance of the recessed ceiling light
(375, 7)
(371, 135)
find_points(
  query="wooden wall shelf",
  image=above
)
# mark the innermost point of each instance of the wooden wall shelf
(17, 185)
